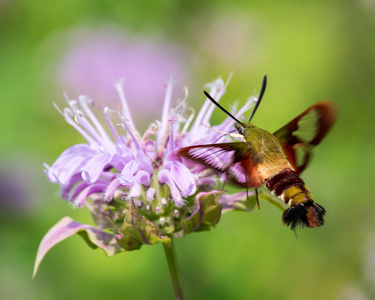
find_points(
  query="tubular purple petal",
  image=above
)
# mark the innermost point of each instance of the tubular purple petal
(91, 189)
(182, 176)
(150, 194)
(110, 191)
(141, 178)
(67, 188)
(119, 143)
(163, 130)
(63, 172)
(142, 159)
(70, 121)
(77, 190)
(125, 107)
(164, 176)
(94, 167)
(103, 135)
(206, 106)
(128, 173)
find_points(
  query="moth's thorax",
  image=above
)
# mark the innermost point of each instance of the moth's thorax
(265, 148)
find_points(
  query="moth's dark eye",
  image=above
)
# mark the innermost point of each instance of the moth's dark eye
(240, 129)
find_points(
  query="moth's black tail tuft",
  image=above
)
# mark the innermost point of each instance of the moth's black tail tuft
(309, 214)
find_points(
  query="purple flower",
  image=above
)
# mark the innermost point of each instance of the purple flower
(135, 186)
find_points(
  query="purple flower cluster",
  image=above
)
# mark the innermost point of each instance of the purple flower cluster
(136, 187)
(129, 164)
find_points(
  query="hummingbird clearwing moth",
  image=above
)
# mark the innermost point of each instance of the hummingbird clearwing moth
(274, 160)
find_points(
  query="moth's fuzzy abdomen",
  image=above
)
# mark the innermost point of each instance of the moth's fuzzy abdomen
(303, 210)
(309, 214)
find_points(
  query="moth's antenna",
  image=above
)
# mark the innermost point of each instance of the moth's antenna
(264, 84)
(222, 108)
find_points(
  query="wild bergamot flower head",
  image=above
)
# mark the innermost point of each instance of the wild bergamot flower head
(137, 188)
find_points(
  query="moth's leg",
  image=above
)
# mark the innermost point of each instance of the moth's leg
(256, 195)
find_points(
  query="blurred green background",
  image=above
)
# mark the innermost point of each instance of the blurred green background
(311, 51)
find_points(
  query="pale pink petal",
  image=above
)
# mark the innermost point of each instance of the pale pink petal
(65, 228)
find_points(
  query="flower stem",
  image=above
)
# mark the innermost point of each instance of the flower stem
(170, 253)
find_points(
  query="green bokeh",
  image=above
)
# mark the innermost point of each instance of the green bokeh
(311, 51)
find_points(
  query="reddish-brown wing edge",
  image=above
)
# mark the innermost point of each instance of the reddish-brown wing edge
(327, 116)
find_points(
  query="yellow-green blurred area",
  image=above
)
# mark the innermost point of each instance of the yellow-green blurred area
(310, 50)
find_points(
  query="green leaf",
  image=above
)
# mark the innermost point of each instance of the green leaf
(67, 227)
(136, 230)
(206, 213)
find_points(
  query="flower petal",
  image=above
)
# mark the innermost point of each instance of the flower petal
(95, 166)
(69, 163)
(150, 194)
(164, 176)
(142, 177)
(109, 192)
(91, 189)
(127, 174)
(183, 177)
(65, 228)
(65, 189)
(68, 168)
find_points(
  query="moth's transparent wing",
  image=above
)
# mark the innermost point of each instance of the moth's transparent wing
(231, 158)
